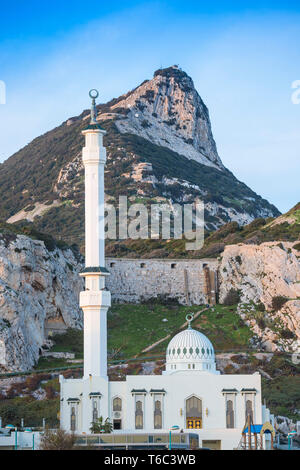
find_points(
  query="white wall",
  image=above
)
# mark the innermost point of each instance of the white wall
(178, 386)
(129, 282)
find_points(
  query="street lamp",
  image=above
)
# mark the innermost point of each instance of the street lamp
(173, 428)
(290, 439)
(16, 438)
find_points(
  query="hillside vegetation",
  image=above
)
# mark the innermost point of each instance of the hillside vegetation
(283, 228)
(44, 181)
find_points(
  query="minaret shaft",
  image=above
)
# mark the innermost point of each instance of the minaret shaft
(95, 300)
(94, 157)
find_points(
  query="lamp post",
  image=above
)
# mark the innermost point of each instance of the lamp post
(173, 428)
(290, 439)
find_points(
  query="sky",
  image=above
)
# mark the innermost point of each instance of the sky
(243, 57)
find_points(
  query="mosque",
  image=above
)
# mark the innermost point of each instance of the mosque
(190, 395)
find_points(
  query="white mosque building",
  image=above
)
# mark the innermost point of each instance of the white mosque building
(190, 393)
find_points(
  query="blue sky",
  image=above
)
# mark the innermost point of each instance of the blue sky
(242, 56)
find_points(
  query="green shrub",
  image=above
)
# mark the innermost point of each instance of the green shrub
(29, 208)
(260, 306)
(287, 334)
(145, 124)
(238, 259)
(260, 319)
(232, 297)
(70, 341)
(278, 302)
(33, 411)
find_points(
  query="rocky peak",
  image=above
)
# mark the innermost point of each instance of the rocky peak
(169, 112)
(159, 146)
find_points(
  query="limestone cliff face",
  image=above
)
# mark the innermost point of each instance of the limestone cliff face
(36, 286)
(261, 273)
(168, 111)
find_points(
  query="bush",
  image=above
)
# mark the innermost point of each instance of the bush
(70, 341)
(33, 411)
(145, 124)
(260, 319)
(232, 297)
(260, 306)
(50, 392)
(57, 440)
(287, 334)
(278, 302)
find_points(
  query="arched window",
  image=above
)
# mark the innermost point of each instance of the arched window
(193, 413)
(157, 415)
(73, 418)
(139, 421)
(229, 414)
(249, 410)
(117, 404)
(95, 410)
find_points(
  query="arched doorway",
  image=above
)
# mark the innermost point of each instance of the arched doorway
(193, 407)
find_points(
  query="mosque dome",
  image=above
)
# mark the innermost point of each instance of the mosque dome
(190, 350)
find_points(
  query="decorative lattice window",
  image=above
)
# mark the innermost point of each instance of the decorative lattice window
(157, 415)
(73, 418)
(139, 415)
(117, 404)
(230, 400)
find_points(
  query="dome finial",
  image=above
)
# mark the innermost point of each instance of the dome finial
(189, 318)
(93, 94)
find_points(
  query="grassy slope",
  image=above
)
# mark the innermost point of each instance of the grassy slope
(131, 328)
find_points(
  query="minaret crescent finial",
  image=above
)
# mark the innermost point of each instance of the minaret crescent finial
(93, 93)
(189, 318)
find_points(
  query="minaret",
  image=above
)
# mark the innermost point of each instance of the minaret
(95, 300)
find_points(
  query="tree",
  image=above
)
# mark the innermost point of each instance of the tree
(232, 297)
(100, 426)
(57, 439)
(278, 302)
(108, 427)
